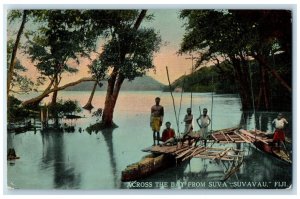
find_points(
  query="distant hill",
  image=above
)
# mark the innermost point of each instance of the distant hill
(201, 80)
(144, 83)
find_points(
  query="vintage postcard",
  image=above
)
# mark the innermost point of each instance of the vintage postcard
(110, 99)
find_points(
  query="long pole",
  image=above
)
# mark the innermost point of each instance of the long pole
(180, 100)
(212, 102)
(252, 95)
(173, 100)
(192, 70)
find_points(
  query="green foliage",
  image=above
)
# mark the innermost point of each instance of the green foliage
(61, 35)
(211, 32)
(62, 108)
(128, 50)
(20, 82)
(14, 15)
(139, 46)
(14, 111)
(99, 126)
(234, 32)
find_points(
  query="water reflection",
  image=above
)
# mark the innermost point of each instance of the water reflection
(55, 156)
(273, 169)
(108, 137)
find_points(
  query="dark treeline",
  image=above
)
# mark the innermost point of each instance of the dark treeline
(257, 44)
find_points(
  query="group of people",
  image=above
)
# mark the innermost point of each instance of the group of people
(168, 134)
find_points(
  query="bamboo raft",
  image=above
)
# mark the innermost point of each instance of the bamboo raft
(166, 156)
(256, 137)
(231, 159)
(230, 135)
(184, 152)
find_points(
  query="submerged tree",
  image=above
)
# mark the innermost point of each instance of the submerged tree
(127, 54)
(89, 105)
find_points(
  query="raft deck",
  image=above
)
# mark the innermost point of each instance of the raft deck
(185, 152)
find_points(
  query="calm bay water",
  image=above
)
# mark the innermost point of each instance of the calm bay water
(81, 160)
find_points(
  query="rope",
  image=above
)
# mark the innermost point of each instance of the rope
(177, 123)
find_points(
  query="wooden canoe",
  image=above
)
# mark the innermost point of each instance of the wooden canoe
(265, 144)
(150, 164)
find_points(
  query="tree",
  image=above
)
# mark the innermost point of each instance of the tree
(127, 54)
(61, 36)
(48, 90)
(13, 61)
(89, 105)
(244, 38)
(58, 39)
(19, 83)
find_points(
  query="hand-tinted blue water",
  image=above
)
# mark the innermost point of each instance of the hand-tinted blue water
(81, 160)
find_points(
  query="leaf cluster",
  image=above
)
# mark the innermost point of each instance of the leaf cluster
(131, 52)
(235, 32)
(62, 108)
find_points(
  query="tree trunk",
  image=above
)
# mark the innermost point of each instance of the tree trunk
(89, 105)
(266, 88)
(259, 98)
(242, 84)
(264, 91)
(115, 82)
(12, 63)
(55, 92)
(14, 52)
(39, 98)
(107, 117)
(261, 59)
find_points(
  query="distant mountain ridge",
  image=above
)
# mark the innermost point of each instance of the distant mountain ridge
(145, 83)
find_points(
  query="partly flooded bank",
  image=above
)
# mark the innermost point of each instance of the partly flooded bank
(83, 160)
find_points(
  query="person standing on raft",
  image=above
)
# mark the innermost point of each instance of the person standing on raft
(188, 129)
(279, 135)
(203, 124)
(156, 119)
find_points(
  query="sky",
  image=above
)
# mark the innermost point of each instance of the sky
(171, 30)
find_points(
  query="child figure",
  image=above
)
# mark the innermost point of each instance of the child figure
(168, 134)
(279, 135)
(204, 123)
